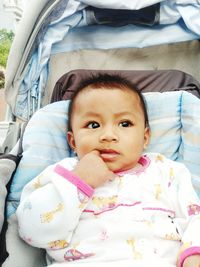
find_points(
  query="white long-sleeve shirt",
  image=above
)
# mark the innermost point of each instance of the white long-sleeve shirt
(150, 213)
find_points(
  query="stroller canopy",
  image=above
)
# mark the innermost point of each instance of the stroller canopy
(50, 27)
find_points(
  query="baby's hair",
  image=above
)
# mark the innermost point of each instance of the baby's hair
(106, 81)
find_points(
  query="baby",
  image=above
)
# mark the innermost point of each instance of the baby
(113, 203)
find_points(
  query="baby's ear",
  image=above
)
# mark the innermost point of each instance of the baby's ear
(147, 135)
(71, 140)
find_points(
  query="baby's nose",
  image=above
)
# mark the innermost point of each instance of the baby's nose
(109, 135)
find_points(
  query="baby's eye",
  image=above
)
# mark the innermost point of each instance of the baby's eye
(125, 124)
(93, 125)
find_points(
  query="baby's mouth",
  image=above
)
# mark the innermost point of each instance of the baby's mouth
(108, 154)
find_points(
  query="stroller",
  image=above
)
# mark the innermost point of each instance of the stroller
(153, 43)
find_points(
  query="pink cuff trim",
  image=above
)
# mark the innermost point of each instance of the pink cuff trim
(188, 252)
(72, 178)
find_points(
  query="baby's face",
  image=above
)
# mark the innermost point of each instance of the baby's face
(110, 121)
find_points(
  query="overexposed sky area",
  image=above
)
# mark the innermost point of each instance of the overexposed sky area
(6, 18)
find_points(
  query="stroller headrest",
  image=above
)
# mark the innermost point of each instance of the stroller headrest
(174, 120)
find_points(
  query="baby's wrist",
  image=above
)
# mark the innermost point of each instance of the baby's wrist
(190, 257)
(74, 178)
(84, 177)
(192, 261)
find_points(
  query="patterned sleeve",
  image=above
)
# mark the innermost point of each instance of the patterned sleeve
(51, 206)
(188, 213)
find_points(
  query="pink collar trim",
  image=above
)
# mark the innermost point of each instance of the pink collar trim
(144, 161)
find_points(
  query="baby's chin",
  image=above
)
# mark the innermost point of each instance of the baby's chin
(123, 168)
(117, 169)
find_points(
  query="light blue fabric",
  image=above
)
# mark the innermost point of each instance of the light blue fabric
(191, 15)
(125, 4)
(189, 152)
(174, 121)
(35, 80)
(105, 37)
(179, 21)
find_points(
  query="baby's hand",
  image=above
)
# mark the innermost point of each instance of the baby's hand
(93, 170)
(192, 261)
